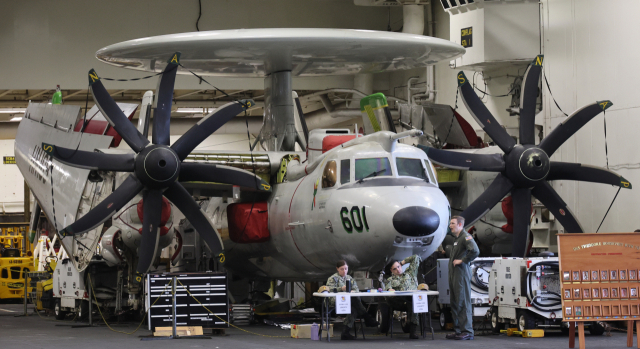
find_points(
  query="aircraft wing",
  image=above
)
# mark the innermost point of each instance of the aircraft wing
(63, 192)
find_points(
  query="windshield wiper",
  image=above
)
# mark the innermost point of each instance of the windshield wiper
(372, 174)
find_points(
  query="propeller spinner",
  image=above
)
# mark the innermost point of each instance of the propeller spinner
(156, 168)
(525, 168)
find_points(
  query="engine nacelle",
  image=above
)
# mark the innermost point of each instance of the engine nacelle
(129, 222)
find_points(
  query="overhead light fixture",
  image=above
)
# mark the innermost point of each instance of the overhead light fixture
(16, 118)
(13, 110)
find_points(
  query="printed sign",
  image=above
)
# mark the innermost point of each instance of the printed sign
(9, 160)
(343, 304)
(420, 303)
(466, 37)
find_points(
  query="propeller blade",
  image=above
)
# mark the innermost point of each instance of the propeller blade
(585, 173)
(465, 161)
(104, 210)
(152, 203)
(528, 99)
(91, 160)
(114, 115)
(554, 203)
(164, 98)
(571, 125)
(485, 202)
(482, 115)
(521, 221)
(208, 125)
(197, 172)
(179, 196)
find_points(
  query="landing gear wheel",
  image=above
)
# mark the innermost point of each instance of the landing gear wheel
(57, 309)
(496, 325)
(445, 318)
(382, 317)
(83, 311)
(525, 321)
(406, 324)
(564, 329)
(595, 329)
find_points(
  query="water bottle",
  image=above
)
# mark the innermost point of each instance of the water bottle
(315, 329)
(348, 286)
(57, 96)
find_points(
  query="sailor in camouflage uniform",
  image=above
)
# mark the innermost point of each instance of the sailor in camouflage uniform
(338, 283)
(406, 281)
(464, 252)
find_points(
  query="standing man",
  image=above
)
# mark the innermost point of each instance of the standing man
(464, 251)
(406, 281)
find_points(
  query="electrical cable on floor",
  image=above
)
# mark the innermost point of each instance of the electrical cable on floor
(145, 313)
(226, 322)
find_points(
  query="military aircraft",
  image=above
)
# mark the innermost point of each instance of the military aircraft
(363, 198)
(524, 169)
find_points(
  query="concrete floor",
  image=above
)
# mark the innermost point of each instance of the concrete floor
(45, 332)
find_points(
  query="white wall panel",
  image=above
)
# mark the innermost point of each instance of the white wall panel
(588, 57)
(11, 182)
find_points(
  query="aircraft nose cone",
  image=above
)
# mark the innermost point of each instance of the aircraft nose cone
(416, 221)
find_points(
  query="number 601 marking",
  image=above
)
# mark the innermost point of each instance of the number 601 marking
(353, 219)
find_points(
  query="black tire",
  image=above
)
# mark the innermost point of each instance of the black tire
(383, 317)
(596, 329)
(405, 323)
(496, 325)
(57, 310)
(83, 310)
(525, 321)
(445, 318)
(564, 329)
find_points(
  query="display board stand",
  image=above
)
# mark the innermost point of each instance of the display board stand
(600, 275)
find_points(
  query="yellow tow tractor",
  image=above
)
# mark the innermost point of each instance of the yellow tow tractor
(14, 263)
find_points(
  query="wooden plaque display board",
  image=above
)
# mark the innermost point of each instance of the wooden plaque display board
(600, 275)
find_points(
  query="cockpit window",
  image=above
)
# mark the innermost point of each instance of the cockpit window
(330, 175)
(431, 170)
(345, 171)
(373, 167)
(411, 167)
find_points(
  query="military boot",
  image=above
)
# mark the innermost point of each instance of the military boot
(346, 334)
(412, 332)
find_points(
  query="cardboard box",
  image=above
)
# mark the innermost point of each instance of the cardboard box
(304, 331)
(182, 331)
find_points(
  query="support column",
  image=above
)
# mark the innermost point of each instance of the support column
(279, 130)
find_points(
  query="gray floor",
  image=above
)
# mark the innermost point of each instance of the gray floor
(45, 332)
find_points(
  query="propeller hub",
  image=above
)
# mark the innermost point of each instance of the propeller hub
(157, 166)
(527, 165)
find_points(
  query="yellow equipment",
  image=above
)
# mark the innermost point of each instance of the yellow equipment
(12, 272)
(525, 334)
(13, 264)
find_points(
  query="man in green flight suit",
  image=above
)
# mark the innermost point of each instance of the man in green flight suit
(338, 283)
(464, 251)
(406, 281)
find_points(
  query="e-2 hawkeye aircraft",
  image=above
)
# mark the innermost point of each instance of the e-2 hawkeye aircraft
(365, 199)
